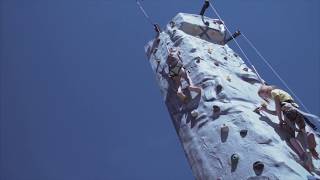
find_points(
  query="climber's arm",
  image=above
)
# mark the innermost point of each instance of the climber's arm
(265, 109)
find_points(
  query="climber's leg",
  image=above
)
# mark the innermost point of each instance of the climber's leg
(312, 145)
(304, 156)
(180, 94)
(297, 147)
(191, 87)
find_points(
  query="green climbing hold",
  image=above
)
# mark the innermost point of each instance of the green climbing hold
(235, 158)
(234, 162)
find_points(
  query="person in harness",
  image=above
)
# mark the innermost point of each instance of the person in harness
(177, 72)
(291, 120)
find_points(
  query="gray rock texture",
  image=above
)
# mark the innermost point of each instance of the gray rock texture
(209, 125)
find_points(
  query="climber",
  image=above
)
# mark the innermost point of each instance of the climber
(285, 106)
(177, 72)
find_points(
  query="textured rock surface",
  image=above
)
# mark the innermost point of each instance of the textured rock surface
(230, 86)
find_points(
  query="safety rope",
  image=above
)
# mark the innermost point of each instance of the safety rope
(144, 12)
(263, 58)
(242, 51)
(274, 71)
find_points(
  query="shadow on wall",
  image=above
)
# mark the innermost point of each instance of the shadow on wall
(176, 106)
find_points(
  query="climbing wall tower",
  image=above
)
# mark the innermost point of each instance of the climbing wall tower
(221, 135)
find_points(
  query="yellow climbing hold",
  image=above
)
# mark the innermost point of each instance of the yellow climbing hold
(210, 51)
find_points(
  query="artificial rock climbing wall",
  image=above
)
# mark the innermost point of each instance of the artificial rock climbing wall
(221, 135)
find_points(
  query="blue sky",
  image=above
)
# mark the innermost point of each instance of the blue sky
(79, 100)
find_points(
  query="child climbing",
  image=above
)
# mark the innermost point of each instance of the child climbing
(291, 120)
(177, 72)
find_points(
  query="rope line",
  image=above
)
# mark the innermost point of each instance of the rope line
(264, 60)
(242, 51)
(144, 12)
(274, 71)
(150, 21)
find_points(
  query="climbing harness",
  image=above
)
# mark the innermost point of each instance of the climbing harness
(175, 70)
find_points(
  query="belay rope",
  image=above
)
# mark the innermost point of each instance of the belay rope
(264, 60)
(234, 39)
(274, 71)
(145, 13)
(150, 20)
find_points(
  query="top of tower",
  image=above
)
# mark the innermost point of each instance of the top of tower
(212, 30)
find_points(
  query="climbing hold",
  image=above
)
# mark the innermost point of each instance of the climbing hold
(216, 109)
(193, 50)
(174, 32)
(224, 128)
(210, 51)
(218, 89)
(257, 110)
(216, 63)
(225, 58)
(243, 133)
(194, 113)
(228, 78)
(258, 167)
(234, 162)
(235, 158)
(236, 55)
(224, 133)
(198, 59)
(246, 69)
